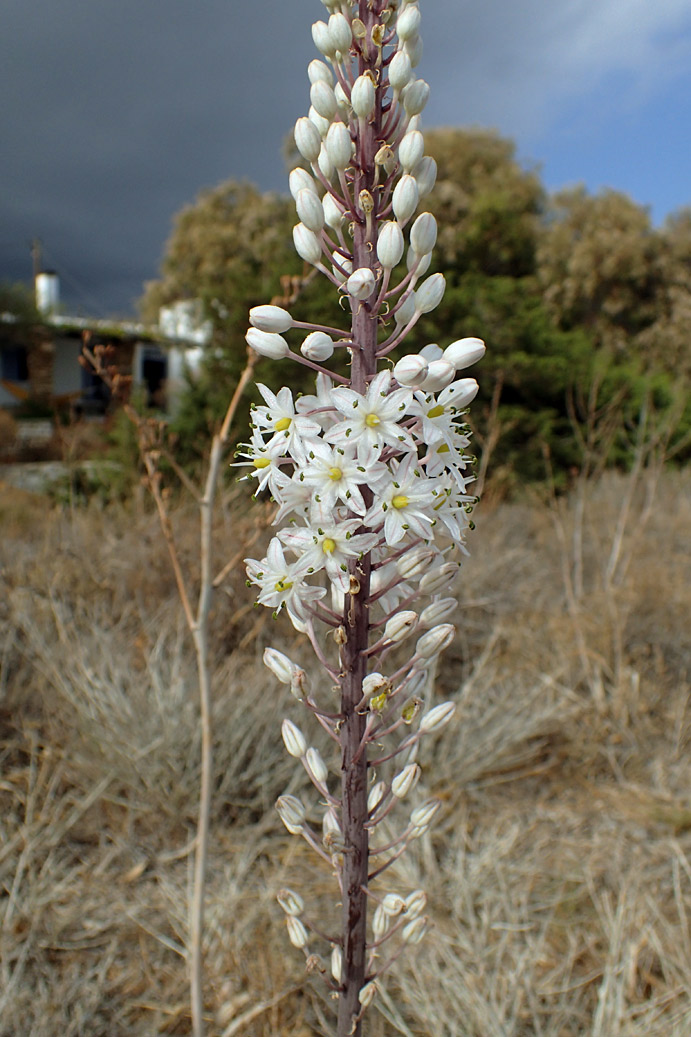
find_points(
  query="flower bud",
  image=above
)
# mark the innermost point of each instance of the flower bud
(393, 904)
(310, 210)
(425, 172)
(318, 121)
(464, 352)
(411, 150)
(405, 781)
(405, 198)
(440, 373)
(375, 684)
(462, 392)
(421, 263)
(336, 963)
(339, 31)
(434, 641)
(280, 665)
(338, 260)
(297, 934)
(439, 579)
(423, 233)
(339, 145)
(400, 71)
(410, 370)
(342, 99)
(332, 213)
(415, 903)
(413, 48)
(292, 903)
(380, 923)
(432, 352)
(376, 796)
(307, 244)
(326, 166)
(422, 817)
(269, 318)
(307, 139)
(294, 739)
(300, 180)
(366, 995)
(322, 38)
(323, 99)
(266, 344)
(437, 611)
(406, 311)
(390, 244)
(414, 931)
(291, 812)
(400, 625)
(414, 562)
(430, 293)
(437, 717)
(316, 766)
(332, 836)
(408, 22)
(317, 347)
(362, 96)
(360, 284)
(319, 71)
(415, 96)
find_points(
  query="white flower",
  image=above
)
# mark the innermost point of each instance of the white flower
(280, 419)
(407, 503)
(337, 473)
(372, 418)
(282, 583)
(328, 544)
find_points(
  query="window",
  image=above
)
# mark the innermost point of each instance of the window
(13, 364)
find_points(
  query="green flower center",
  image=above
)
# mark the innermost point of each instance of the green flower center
(435, 412)
(283, 585)
(399, 501)
(328, 546)
(262, 462)
(372, 420)
(282, 424)
(335, 474)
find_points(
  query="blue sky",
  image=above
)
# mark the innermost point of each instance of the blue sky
(117, 113)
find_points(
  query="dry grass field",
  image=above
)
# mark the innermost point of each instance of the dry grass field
(559, 876)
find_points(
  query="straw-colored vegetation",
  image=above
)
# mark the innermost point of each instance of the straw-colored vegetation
(559, 876)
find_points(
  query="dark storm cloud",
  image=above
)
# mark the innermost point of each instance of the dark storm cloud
(116, 114)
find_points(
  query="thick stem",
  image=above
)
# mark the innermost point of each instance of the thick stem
(356, 614)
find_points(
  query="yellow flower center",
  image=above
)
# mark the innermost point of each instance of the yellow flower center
(335, 474)
(262, 462)
(443, 449)
(372, 420)
(282, 424)
(435, 412)
(399, 501)
(283, 585)
(377, 702)
(328, 546)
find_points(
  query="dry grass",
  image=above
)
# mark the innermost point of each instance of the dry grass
(559, 876)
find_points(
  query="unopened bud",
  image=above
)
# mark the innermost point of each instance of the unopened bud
(318, 70)
(307, 139)
(414, 562)
(439, 579)
(415, 903)
(425, 172)
(411, 150)
(297, 934)
(294, 739)
(393, 904)
(405, 198)
(366, 995)
(316, 766)
(437, 611)
(336, 963)
(310, 210)
(362, 96)
(423, 233)
(410, 370)
(414, 931)
(390, 244)
(376, 796)
(317, 347)
(292, 903)
(360, 284)
(300, 180)
(435, 640)
(422, 817)
(280, 665)
(400, 71)
(437, 717)
(323, 99)
(440, 373)
(462, 392)
(266, 344)
(408, 22)
(332, 213)
(380, 923)
(400, 625)
(415, 96)
(430, 293)
(413, 48)
(322, 38)
(307, 244)
(339, 145)
(340, 32)
(291, 812)
(464, 352)
(406, 780)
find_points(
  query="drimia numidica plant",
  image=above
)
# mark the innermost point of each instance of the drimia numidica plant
(370, 475)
